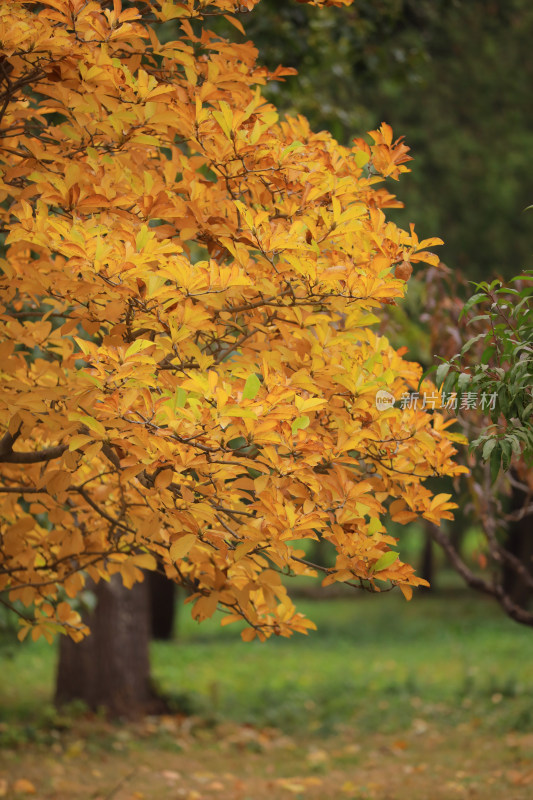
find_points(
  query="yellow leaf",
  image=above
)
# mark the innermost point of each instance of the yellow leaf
(78, 441)
(205, 607)
(181, 547)
(144, 561)
(59, 481)
(406, 590)
(164, 479)
(93, 425)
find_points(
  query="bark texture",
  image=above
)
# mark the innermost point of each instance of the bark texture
(519, 542)
(111, 667)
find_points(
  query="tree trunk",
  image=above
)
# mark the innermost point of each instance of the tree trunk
(162, 593)
(427, 562)
(519, 542)
(110, 669)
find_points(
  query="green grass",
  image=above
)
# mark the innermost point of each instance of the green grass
(375, 661)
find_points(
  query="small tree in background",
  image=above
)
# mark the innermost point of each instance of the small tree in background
(494, 369)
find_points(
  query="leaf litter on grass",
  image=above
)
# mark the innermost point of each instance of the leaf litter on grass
(241, 762)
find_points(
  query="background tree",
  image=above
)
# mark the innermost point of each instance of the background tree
(495, 367)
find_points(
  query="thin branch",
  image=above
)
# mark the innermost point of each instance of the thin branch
(21, 490)
(12, 608)
(100, 511)
(459, 565)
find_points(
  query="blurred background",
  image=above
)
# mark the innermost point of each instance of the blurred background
(454, 77)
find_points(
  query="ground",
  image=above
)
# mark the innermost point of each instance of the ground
(171, 758)
(387, 700)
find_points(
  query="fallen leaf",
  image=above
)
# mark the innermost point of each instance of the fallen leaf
(170, 775)
(291, 786)
(400, 744)
(23, 786)
(518, 778)
(317, 757)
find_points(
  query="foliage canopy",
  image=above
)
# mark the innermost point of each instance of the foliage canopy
(188, 365)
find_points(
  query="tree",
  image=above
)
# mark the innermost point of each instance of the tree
(188, 364)
(491, 377)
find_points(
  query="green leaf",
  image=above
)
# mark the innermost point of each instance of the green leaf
(251, 387)
(181, 398)
(476, 298)
(300, 423)
(237, 443)
(488, 354)
(515, 444)
(479, 318)
(506, 454)
(504, 400)
(290, 148)
(385, 561)
(488, 447)
(137, 346)
(449, 382)
(374, 525)
(463, 381)
(442, 371)
(141, 238)
(472, 341)
(528, 410)
(495, 459)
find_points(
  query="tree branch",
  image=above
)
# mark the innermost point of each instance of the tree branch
(459, 565)
(33, 456)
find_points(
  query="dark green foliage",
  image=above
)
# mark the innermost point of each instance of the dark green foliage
(454, 77)
(502, 367)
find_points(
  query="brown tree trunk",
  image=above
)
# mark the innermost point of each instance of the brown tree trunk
(427, 562)
(162, 595)
(110, 668)
(519, 542)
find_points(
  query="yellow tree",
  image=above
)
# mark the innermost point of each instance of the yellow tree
(188, 287)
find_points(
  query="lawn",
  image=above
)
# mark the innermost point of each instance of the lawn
(387, 700)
